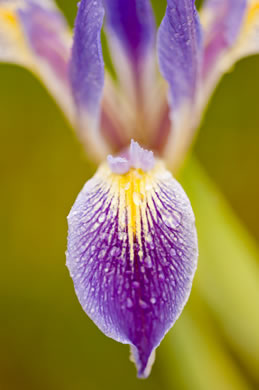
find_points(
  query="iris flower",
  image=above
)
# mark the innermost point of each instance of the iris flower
(132, 243)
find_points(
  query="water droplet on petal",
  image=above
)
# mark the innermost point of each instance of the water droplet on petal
(101, 218)
(143, 304)
(148, 262)
(137, 198)
(129, 303)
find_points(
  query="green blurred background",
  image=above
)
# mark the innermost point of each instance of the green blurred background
(47, 342)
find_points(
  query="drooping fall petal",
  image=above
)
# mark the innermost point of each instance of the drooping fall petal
(132, 252)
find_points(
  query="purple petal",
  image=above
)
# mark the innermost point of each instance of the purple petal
(87, 73)
(132, 254)
(132, 24)
(87, 67)
(223, 20)
(131, 30)
(180, 50)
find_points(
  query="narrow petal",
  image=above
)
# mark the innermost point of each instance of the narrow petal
(131, 29)
(179, 50)
(132, 254)
(180, 55)
(34, 34)
(87, 72)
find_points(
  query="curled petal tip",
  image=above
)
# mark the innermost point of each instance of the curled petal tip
(143, 361)
(132, 254)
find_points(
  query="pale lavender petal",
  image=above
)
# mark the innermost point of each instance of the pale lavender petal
(134, 157)
(43, 29)
(119, 165)
(132, 254)
(141, 158)
(180, 50)
(35, 34)
(87, 72)
(223, 21)
(231, 33)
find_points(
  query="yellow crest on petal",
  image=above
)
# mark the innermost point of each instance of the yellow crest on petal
(132, 194)
(8, 16)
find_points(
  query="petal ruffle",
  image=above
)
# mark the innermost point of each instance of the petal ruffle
(180, 55)
(132, 254)
(34, 34)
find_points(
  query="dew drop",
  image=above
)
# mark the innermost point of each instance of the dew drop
(148, 262)
(135, 284)
(173, 252)
(115, 251)
(101, 218)
(137, 198)
(143, 304)
(129, 303)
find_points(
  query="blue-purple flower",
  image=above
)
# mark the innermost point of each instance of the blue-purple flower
(132, 243)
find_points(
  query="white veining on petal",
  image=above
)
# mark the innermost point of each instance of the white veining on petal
(132, 253)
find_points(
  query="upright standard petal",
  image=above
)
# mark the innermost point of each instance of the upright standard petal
(131, 32)
(132, 251)
(34, 34)
(87, 73)
(180, 54)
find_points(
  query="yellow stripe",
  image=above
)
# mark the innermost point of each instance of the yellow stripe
(252, 13)
(8, 17)
(131, 195)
